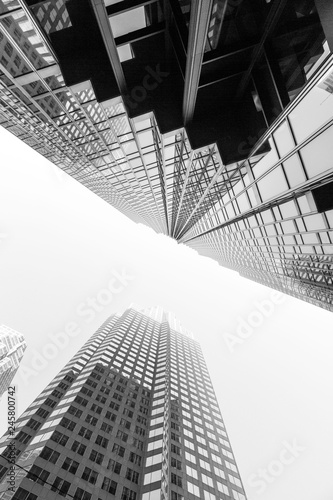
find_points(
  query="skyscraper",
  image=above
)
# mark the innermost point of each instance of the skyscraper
(208, 120)
(132, 416)
(12, 347)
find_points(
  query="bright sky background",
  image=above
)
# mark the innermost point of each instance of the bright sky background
(60, 244)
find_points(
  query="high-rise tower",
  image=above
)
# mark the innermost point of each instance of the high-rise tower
(208, 120)
(132, 416)
(12, 347)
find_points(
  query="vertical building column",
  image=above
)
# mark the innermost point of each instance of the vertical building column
(325, 11)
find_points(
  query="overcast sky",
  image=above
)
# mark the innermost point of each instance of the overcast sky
(270, 357)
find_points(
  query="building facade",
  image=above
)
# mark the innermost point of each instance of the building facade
(12, 347)
(132, 416)
(208, 120)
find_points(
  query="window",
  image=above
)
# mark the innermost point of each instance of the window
(110, 416)
(122, 435)
(81, 401)
(23, 437)
(96, 408)
(192, 488)
(49, 455)
(140, 431)
(117, 396)
(176, 464)
(135, 459)
(132, 475)
(175, 449)
(68, 424)
(85, 433)
(42, 413)
(176, 496)
(89, 475)
(57, 437)
(22, 494)
(37, 474)
(78, 447)
(125, 423)
(130, 403)
(205, 465)
(91, 420)
(209, 496)
(138, 444)
(128, 494)
(119, 450)
(33, 424)
(91, 383)
(109, 485)
(81, 495)
(128, 413)
(61, 486)
(207, 480)
(114, 466)
(75, 411)
(177, 480)
(114, 406)
(190, 457)
(141, 420)
(70, 465)
(101, 399)
(106, 428)
(96, 457)
(175, 437)
(102, 441)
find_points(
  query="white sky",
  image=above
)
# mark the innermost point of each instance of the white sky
(60, 244)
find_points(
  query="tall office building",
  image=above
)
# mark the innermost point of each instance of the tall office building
(12, 347)
(132, 416)
(208, 120)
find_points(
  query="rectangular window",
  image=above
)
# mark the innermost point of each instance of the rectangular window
(132, 475)
(70, 465)
(102, 441)
(122, 435)
(91, 420)
(96, 457)
(75, 411)
(106, 428)
(57, 437)
(68, 424)
(37, 474)
(82, 495)
(118, 450)
(49, 455)
(89, 475)
(85, 433)
(135, 459)
(176, 464)
(177, 480)
(109, 485)
(78, 448)
(60, 486)
(114, 466)
(110, 416)
(128, 494)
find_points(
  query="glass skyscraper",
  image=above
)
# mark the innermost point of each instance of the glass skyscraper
(132, 416)
(208, 120)
(12, 347)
